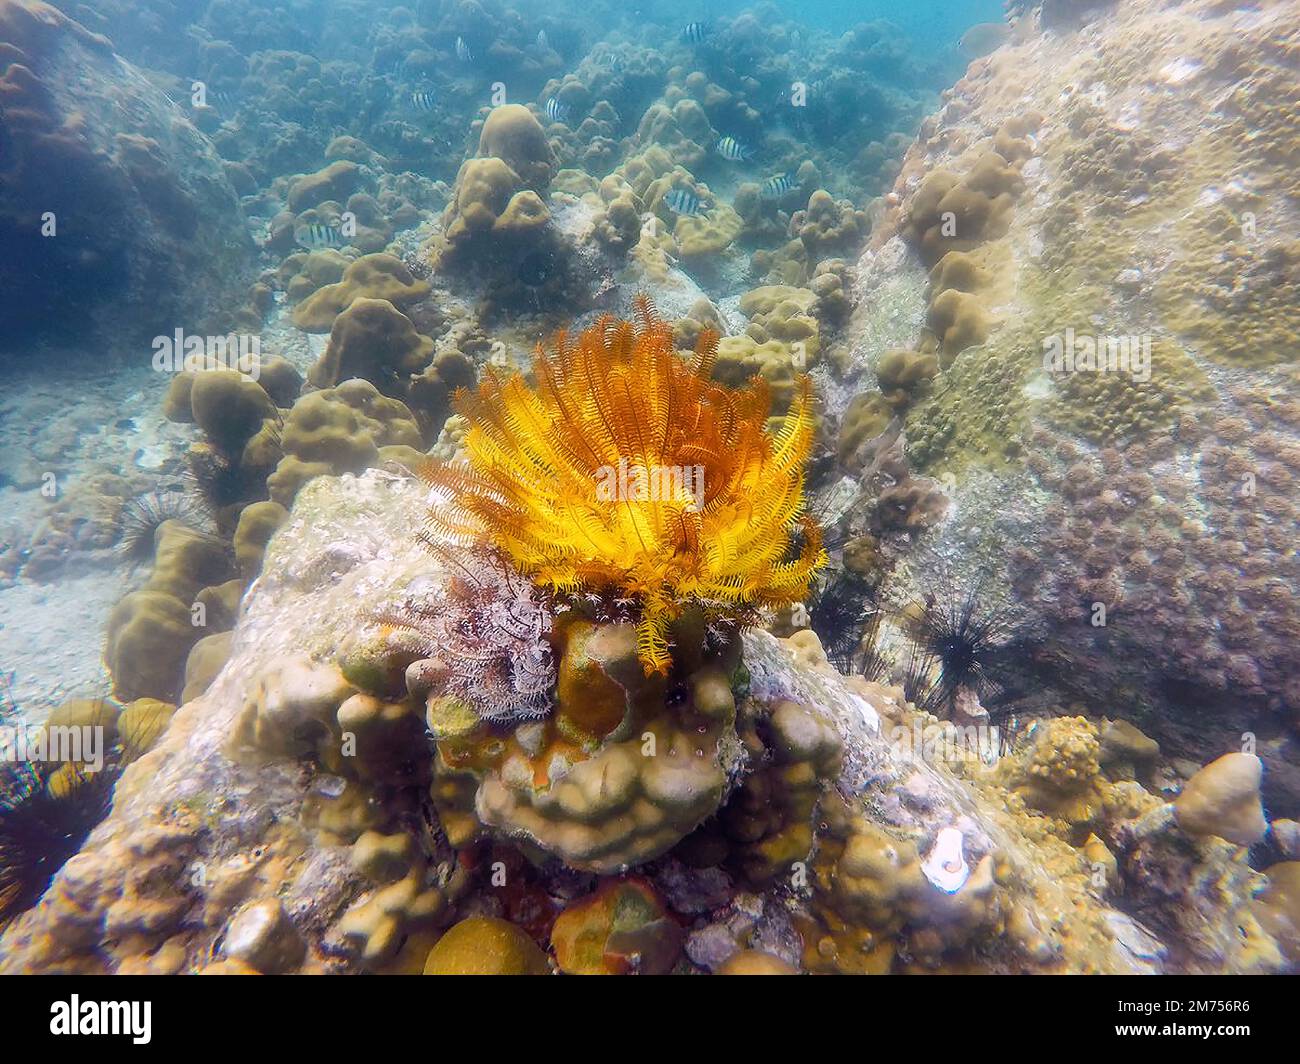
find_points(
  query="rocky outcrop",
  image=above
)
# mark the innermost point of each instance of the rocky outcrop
(116, 217)
(1090, 241)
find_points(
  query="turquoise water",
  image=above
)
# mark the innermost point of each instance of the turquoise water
(931, 24)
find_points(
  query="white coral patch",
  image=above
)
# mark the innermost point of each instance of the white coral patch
(945, 866)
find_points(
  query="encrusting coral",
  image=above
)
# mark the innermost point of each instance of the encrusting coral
(334, 868)
(627, 473)
(544, 743)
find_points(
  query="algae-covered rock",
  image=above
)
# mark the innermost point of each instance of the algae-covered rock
(756, 962)
(106, 190)
(622, 929)
(1101, 408)
(299, 790)
(483, 945)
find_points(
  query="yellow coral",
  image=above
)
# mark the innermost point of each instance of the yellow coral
(626, 471)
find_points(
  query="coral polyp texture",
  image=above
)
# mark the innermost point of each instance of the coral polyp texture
(626, 473)
(752, 494)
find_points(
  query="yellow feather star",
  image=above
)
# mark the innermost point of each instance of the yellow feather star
(626, 471)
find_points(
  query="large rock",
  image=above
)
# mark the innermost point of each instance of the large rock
(116, 218)
(1223, 799)
(1142, 513)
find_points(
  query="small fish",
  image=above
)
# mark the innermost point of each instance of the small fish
(423, 101)
(984, 38)
(696, 32)
(557, 111)
(776, 187)
(683, 201)
(731, 148)
(318, 235)
(543, 42)
(463, 51)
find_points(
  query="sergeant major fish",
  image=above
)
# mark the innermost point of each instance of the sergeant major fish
(776, 187)
(696, 32)
(557, 111)
(684, 201)
(318, 235)
(731, 148)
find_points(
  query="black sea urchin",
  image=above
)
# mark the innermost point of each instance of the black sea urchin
(846, 617)
(213, 481)
(39, 831)
(954, 639)
(141, 516)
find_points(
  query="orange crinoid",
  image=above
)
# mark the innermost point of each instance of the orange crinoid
(626, 472)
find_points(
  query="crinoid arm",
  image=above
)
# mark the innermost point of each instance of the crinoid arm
(625, 472)
(486, 635)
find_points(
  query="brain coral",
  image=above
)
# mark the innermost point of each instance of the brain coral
(341, 430)
(377, 276)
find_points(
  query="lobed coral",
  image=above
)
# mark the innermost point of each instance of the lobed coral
(622, 767)
(347, 428)
(377, 276)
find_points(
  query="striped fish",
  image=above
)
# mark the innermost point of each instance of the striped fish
(731, 148)
(696, 32)
(463, 51)
(318, 235)
(557, 111)
(684, 201)
(776, 187)
(422, 101)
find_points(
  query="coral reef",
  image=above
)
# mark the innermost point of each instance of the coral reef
(899, 859)
(106, 189)
(915, 595)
